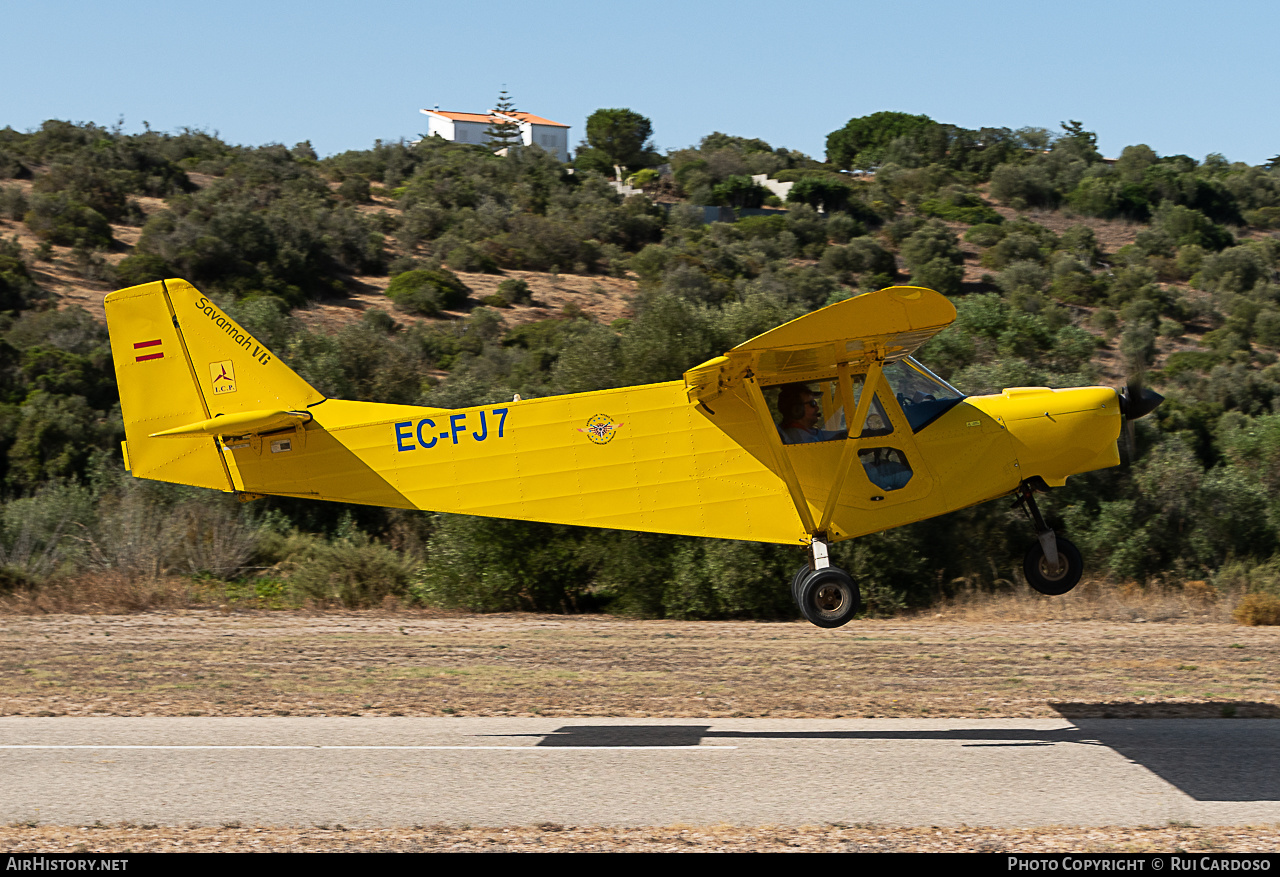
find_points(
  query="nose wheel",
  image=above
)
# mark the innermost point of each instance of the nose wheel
(1053, 565)
(1053, 579)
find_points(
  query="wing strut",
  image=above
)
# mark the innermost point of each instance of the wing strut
(850, 451)
(783, 463)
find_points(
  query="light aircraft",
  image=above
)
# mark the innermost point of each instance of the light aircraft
(206, 404)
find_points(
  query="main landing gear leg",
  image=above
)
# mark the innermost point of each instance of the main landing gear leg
(827, 595)
(1053, 566)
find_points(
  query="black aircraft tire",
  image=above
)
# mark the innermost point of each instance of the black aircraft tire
(829, 597)
(796, 580)
(1054, 583)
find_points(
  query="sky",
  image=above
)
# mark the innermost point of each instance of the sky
(1182, 77)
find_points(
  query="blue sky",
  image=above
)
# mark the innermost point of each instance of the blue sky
(1182, 77)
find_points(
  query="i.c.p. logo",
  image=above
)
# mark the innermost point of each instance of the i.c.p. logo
(223, 377)
(601, 429)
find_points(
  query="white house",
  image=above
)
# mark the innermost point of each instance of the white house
(471, 127)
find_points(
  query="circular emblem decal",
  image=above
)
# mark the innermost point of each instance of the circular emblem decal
(600, 429)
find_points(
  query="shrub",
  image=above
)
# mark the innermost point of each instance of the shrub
(472, 260)
(59, 219)
(1016, 247)
(352, 571)
(427, 291)
(512, 291)
(1023, 186)
(141, 268)
(644, 177)
(932, 242)
(13, 203)
(486, 565)
(16, 285)
(860, 256)
(841, 227)
(1185, 226)
(829, 194)
(985, 234)
(355, 189)
(1258, 609)
(939, 275)
(738, 191)
(958, 204)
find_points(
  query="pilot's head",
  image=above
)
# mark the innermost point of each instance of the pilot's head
(798, 406)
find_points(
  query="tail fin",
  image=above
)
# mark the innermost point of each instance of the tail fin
(180, 360)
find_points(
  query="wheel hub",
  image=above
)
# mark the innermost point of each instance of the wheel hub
(829, 598)
(1051, 573)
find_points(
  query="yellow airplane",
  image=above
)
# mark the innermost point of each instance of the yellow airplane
(206, 404)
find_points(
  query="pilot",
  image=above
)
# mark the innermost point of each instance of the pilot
(800, 415)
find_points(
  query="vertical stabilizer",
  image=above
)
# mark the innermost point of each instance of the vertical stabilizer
(179, 360)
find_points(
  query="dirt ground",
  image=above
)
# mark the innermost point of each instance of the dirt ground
(600, 298)
(552, 838)
(203, 662)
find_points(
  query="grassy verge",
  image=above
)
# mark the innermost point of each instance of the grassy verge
(430, 664)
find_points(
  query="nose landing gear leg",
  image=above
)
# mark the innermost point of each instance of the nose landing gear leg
(1053, 566)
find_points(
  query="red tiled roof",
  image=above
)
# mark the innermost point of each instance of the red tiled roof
(486, 118)
(537, 120)
(462, 117)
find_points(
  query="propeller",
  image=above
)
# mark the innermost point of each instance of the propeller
(1135, 401)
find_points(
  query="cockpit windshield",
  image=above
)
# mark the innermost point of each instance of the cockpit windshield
(924, 396)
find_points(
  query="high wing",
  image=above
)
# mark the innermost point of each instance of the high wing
(885, 325)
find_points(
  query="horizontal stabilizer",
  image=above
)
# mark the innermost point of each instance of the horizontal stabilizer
(241, 423)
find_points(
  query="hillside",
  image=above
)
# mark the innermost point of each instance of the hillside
(441, 274)
(599, 298)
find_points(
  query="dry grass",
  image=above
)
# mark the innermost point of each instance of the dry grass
(596, 296)
(116, 592)
(1256, 609)
(413, 663)
(1095, 600)
(550, 837)
(108, 593)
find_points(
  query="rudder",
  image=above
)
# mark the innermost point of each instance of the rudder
(179, 360)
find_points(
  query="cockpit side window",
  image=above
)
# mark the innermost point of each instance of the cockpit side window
(814, 412)
(810, 412)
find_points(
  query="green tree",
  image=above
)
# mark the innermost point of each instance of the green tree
(503, 132)
(1086, 142)
(738, 191)
(622, 135)
(826, 193)
(427, 291)
(862, 141)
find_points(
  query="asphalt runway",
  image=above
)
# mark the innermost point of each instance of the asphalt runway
(377, 772)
